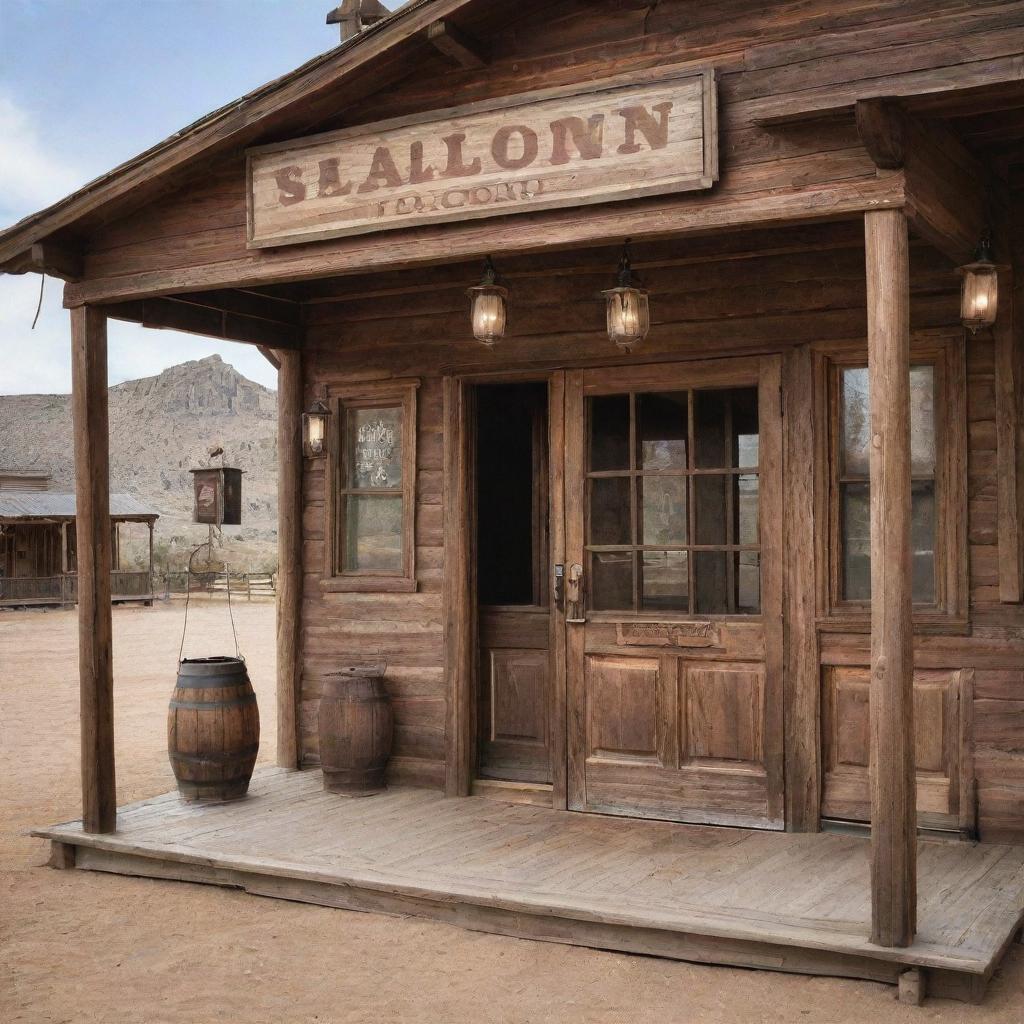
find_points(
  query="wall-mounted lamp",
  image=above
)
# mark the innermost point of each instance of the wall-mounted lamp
(314, 430)
(979, 302)
(489, 313)
(629, 314)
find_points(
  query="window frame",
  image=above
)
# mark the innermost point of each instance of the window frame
(341, 400)
(946, 352)
(636, 475)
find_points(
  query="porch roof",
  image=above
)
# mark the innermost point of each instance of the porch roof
(23, 505)
(236, 123)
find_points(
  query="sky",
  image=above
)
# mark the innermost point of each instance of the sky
(87, 84)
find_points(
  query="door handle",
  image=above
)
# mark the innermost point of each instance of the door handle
(574, 595)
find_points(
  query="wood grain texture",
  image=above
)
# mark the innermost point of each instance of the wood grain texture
(893, 817)
(95, 625)
(767, 900)
(289, 541)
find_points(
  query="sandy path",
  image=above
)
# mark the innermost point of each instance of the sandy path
(83, 947)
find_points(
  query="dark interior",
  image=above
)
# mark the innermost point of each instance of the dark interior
(511, 433)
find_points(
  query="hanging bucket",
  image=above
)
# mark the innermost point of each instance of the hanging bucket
(213, 729)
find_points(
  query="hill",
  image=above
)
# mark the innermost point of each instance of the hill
(160, 428)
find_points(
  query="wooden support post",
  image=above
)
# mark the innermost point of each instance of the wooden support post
(893, 798)
(289, 552)
(95, 625)
(912, 987)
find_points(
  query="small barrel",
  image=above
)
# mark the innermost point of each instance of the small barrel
(213, 729)
(356, 728)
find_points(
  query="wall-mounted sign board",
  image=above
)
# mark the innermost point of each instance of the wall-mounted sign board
(621, 138)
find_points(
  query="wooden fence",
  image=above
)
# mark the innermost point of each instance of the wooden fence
(125, 585)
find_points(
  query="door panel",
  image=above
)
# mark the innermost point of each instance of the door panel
(942, 753)
(674, 656)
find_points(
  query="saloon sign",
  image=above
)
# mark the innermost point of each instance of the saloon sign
(611, 140)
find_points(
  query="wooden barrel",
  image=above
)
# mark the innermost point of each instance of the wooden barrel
(213, 729)
(356, 728)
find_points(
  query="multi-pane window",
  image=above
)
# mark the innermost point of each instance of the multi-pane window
(673, 502)
(372, 544)
(850, 466)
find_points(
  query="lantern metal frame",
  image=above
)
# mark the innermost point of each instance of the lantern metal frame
(984, 272)
(315, 448)
(617, 299)
(488, 288)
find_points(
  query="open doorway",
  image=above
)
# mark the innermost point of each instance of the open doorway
(513, 720)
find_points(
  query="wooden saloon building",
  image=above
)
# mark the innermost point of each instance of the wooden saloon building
(698, 581)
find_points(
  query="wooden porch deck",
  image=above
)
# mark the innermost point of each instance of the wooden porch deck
(774, 901)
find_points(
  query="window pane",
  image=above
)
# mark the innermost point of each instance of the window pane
(856, 416)
(856, 422)
(374, 448)
(748, 582)
(711, 582)
(711, 449)
(663, 501)
(373, 534)
(922, 540)
(711, 520)
(610, 511)
(856, 536)
(725, 428)
(745, 428)
(611, 575)
(609, 432)
(922, 420)
(664, 581)
(747, 504)
(661, 431)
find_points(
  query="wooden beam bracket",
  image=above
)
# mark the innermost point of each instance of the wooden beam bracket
(461, 47)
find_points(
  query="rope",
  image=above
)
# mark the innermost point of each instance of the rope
(42, 285)
(188, 597)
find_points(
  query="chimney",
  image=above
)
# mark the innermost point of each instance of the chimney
(355, 16)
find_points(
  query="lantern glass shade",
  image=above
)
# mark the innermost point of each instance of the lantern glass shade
(488, 313)
(629, 316)
(980, 297)
(314, 430)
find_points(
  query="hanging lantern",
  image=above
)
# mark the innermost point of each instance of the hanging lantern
(980, 298)
(488, 307)
(629, 313)
(314, 430)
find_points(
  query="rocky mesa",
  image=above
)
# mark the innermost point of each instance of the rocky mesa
(160, 428)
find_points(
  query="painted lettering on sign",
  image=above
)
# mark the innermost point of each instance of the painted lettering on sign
(530, 152)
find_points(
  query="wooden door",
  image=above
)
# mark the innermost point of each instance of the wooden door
(674, 629)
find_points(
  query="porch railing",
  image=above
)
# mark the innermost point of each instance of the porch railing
(124, 584)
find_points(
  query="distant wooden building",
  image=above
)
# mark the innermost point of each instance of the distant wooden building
(24, 480)
(39, 549)
(736, 543)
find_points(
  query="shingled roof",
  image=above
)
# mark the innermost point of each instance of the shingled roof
(55, 505)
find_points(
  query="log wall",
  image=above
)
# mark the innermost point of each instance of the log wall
(808, 286)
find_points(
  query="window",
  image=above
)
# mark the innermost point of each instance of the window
(372, 490)
(938, 501)
(673, 502)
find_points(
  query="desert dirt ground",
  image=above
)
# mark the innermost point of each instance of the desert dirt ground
(77, 946)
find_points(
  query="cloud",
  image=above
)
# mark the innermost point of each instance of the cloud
(30, 176)
(39, 361)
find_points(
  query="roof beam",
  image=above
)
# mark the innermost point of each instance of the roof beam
(176, 315)
(460, 46)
